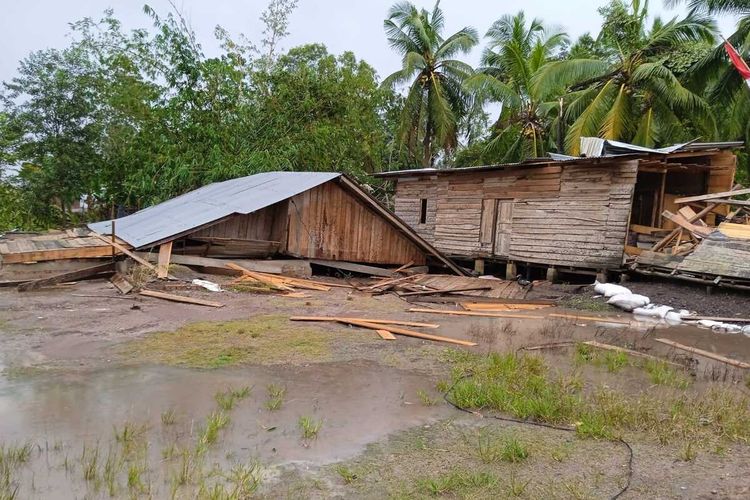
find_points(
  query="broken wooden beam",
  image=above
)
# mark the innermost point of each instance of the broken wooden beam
(500, 306)
(180, 298)
(445, 291)
(404, 267)
(686, 224)
(609, 347)
(80, 274)
(121, 283)
(385, 335)
(712, 196)
(705, 354)
(474, 313)
(354, 268)
(124, 250)
(577, 317)
(376, 321)
(165, 254)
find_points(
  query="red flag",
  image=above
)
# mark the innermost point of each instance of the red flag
(738, 62)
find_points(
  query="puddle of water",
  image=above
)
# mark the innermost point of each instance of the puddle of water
(358, 403)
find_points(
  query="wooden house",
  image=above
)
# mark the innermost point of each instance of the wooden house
(310, 215)
(559, 213)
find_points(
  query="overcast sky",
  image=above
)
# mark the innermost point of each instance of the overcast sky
(27, 25)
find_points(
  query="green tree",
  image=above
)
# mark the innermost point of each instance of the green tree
(514, 54)
(435, 101)
(634, 95)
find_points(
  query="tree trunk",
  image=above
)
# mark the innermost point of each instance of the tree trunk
(427, 141)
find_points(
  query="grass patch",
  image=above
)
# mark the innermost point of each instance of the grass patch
(522, 386)
(491, 449)
(426, 399)
(661, 373)
(309, 426)
(227, 399)
(276, 395)
(210, 432)
(262, 340)
(585, 302)
(459, 483)
(168, 417)
(347, 474)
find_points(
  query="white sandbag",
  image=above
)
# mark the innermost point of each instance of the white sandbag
(673, 318)
(707, 323)
(728, 328)
(609, 289)
(746, 331)
(208, 285)
(684, 313)
(652, 311)
(629, 301)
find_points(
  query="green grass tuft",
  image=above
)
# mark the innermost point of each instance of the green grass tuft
(309, 426)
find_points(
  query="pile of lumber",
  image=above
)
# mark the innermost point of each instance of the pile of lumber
(387, 328)
(426, 287)
(255, 281)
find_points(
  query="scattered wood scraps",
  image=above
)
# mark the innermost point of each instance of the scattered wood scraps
(475, 313)
(279, 283)
(380, 326)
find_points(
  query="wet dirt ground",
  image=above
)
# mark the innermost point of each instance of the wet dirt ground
(69, 381)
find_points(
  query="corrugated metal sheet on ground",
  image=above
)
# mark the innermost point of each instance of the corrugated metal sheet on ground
(501, 289)
(211, 203)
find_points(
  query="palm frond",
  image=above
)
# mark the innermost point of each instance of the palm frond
(562, 74)
(460, 42)
(590, 120)
(616, 125)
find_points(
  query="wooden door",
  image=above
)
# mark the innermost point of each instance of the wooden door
(487, 224)
(504, 215)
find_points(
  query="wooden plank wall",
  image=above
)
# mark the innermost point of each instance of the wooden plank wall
(266, 224)
(409, 193)
(572, 215)
(327, 222)
(721, 178)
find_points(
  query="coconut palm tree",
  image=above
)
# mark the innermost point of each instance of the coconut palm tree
(515, 52)
(435, 99)
(634, 95)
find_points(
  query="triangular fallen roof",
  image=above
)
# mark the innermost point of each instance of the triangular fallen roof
(210, 203)
(186, 213)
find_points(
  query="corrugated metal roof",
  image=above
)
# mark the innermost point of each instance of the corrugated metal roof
(210, 203)
(597, 150)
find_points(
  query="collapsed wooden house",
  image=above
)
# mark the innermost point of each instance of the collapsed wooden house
(309, 215)
(582, 214)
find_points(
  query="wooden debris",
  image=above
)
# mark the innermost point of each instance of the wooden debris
(551, 345)
(576, 317)
(376, 321)
(712, 196)
(165, 253)
(390, 282)
(364, 323)
(121, 283)
(501, 306)
(80, 274)
(447, 291)
(386, 335)
(354, 268)
(180, 298)
(125, 251)
(686, 224)
(609, 347)
(705, 354)
(474, 313)
(404, 267)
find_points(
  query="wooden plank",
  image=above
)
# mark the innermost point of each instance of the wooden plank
(273, 281)
(376, 321)
(121, 283)
(705, 354)
(446, 291)
(474, 313)
(686, 224)
(401, 331)
(57, 254)
(631, 250)
(180, 298)
(66, 277)
(165, 253)
(386, 335)
(125, 251)
(717, 318)
(589, 318)
(293, 267)
(609, 347)
(501, 306)
(647, 230)
(355, 268)
(404, 267)
(712, 196)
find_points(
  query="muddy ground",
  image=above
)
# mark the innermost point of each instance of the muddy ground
(105, 397)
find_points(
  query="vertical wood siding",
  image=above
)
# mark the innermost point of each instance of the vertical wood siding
(327, 222)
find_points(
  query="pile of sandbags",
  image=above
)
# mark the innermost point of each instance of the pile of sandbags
(640, 305)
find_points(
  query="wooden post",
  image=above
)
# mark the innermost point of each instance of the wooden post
(165, 253)
(114, 250)
(510, 270)
(479, 265)
(551, 274)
